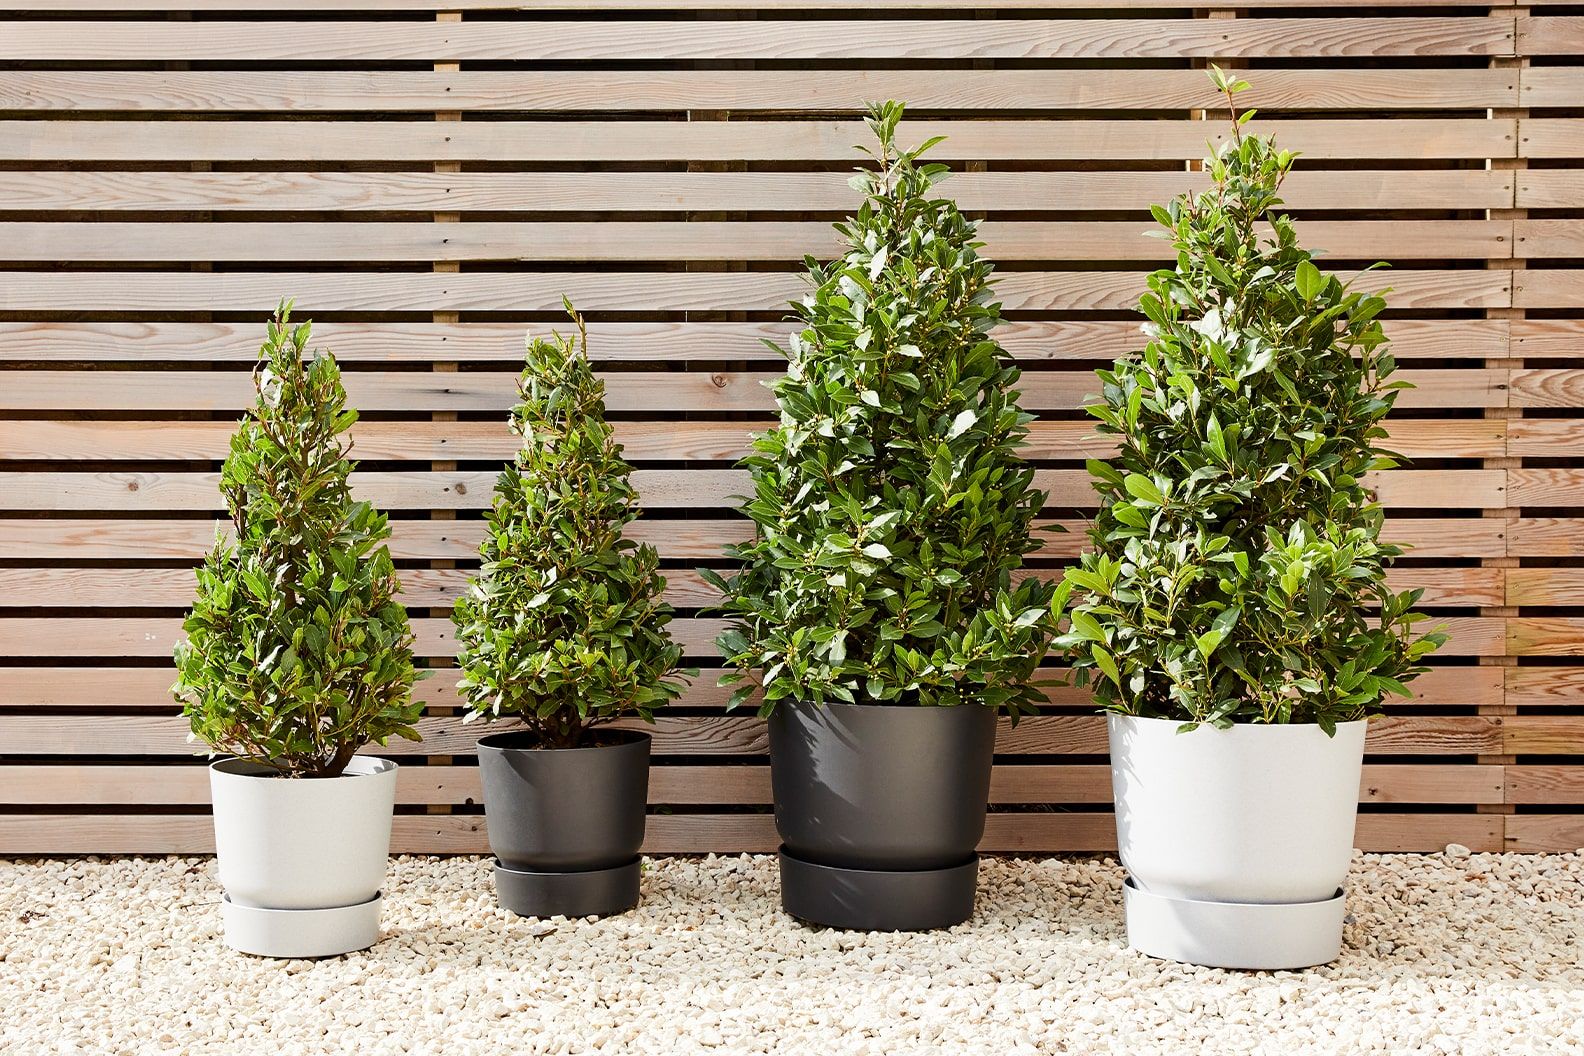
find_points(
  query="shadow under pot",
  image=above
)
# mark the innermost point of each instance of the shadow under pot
(302, 859)
(566, 824)
(1237, 841)
(880, 809)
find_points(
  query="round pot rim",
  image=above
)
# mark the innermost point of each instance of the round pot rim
(237, 766)
(494, 742)
(896, 704)
(1119, 716)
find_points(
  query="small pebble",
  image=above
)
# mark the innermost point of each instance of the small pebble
(1454, 953)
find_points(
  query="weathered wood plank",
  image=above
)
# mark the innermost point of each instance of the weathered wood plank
(581, 192)
(424, 588)
(91, 538)
(389, 342)
(1063, 735)
(316, 292)
(658, 489)
(184, 785)
(1011, 38)
(654, 391)
(112, 686)
(313, 91)
(665, 241)
(546, 141)
(646, 441)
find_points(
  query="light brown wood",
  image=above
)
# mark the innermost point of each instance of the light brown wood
(720, 390)
(826, 39)
(618, 240)
(642, 342)
(558, 192)
(643, 441)
(496, 141)
(165, 292)
(674, 784)
(1057, 735)
(677, 540)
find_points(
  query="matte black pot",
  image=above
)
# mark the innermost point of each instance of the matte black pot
(565, 824)
(879, 809)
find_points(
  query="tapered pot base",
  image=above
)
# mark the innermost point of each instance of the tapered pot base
(294, 933)
(1254, 937)
(876, 899)
(591, 893)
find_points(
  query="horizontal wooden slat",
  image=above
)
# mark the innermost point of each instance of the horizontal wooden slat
(826, 39)
(155, 588)
(723, 390)
(642, 441)
(89, 538)
(386, 342)
(315, 91)
(551, 192)
(625, 291)
(1550, 35)
(726, 785)
(617, 240)
(720, 736)
(30, 6)
(1551, 137)
(657, 489)
(1545, 784)
(684, 833)
(112, 686)
(544, 141)
(1543, 735)
(1545, 833)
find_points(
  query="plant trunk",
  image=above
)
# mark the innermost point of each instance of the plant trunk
(338, 762)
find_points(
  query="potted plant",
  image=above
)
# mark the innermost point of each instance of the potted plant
(874, 606)
(564, 631)
(297, 654)
(1232, 614)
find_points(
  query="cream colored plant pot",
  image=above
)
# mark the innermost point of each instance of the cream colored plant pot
(1237, 841)
(302, 860)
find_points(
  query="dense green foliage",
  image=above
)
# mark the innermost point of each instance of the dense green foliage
(297, 651)
(1236, 573)
(564, 627)
(891, 506)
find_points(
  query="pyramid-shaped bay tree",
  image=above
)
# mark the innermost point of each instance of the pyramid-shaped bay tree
(891, 506)
(565, 626)
(298, 651)
(1237, 573)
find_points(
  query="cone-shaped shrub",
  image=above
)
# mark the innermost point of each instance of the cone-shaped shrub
(891, 506)
(564, 627)
(298, 652)
(1237, 572)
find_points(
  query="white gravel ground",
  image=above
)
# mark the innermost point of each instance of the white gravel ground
(1444, 954)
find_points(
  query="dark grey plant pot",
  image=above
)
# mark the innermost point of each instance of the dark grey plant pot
(879, 809)
(566, 824)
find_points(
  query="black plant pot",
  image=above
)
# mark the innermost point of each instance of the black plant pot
(565, 824)
(879, 810)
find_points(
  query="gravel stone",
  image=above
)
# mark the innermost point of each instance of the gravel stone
(1456, 953)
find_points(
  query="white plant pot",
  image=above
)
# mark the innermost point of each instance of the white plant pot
(302, 860)
(1237, 841)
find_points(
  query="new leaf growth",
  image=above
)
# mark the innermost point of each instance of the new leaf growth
(891, 506)
(298, 652)
(564, 628)
(1236, 571)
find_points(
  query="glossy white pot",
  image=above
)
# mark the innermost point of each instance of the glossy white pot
(1253, 816)
(302, 860)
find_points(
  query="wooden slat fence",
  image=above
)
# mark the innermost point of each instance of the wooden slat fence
(427, 177)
